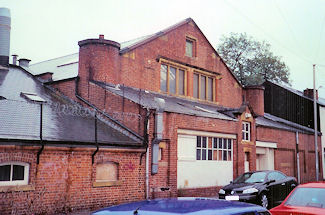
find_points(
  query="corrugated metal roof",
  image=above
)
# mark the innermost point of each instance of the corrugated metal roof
(271, 121)
(63, 120)
(172, 104)
(65, 67)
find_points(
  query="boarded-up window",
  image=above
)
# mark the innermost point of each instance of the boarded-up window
(107, 172)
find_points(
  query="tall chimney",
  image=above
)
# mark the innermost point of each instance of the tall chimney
(5, 26)
(255, 97)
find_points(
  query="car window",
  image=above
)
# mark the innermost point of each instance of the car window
(251, 177)
(307, 197)
(277, 176)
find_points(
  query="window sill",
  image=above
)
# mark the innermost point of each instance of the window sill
(249, 142)
(16, 188)
(107, 183)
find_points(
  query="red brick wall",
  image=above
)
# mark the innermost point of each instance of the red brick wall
(285, 154)
(140, 69)
(167, 173)
(66, 87)
(64, 178)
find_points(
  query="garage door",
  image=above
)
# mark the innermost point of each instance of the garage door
(204, 161)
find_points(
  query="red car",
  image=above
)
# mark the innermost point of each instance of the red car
(305, 199)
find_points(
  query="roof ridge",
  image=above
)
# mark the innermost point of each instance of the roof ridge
(156, 35)
(54, 58)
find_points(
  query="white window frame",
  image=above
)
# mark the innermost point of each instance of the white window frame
(215, 148)
(246, 131)
(223, 148)
(16, 182)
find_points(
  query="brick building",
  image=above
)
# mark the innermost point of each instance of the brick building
(199, 128)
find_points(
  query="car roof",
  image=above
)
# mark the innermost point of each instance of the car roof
(313, 185)
(183, 205)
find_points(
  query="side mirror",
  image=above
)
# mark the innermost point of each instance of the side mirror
(269, 182)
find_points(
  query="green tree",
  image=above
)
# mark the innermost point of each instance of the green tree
(251, 61)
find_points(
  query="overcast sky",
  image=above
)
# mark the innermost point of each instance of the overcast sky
(45, 29)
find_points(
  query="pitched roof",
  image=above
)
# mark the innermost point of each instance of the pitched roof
(62, 119)
(66, 67)
(153, 100)
(63, 68)
(272, 121)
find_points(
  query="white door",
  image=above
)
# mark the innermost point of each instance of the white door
(264, 158)
(246, 161)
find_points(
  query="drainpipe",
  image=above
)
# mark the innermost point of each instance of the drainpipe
(159, 128)
(97, 147)
(40, 134)
(145, 143)
(297, 150)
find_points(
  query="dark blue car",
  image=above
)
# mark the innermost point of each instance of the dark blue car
(184, 206)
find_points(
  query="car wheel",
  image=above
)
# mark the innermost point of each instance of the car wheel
(264, 201)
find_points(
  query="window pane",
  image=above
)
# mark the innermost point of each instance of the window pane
(181, 79)
(215, 143)
(215, 155)
(229, 155)
(198, 141)
(224, 155)
(163, 78)
(5, 173)
(210, 89)
(196, 86)
(209, 154)
(18, 173)
(204, 142)
(229, 143)
(172, 80)
(220, 155)
(209, 142)
(224, 143)
(198, 154)
(204, 154)
(189, 48)
(203, 87)
(220, 143)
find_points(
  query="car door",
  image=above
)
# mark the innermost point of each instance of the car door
(278, 188)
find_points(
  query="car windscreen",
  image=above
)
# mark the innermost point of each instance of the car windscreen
(251, 177)
(307, 197)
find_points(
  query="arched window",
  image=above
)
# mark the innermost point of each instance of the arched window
(14, 173)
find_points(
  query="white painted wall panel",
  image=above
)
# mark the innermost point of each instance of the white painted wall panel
(192, 173)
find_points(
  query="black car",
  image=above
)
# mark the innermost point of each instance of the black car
(265, 188)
